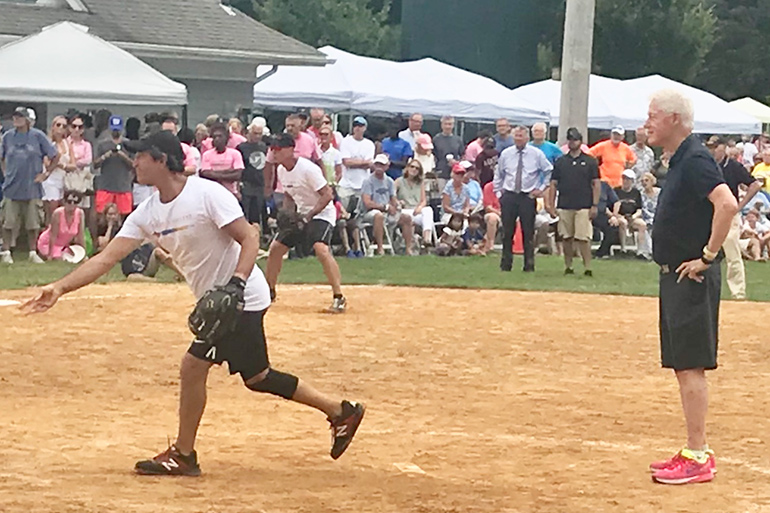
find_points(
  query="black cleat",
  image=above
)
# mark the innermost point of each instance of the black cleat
(569, 271)
(589, 273)
(170, 462)
(345, 426)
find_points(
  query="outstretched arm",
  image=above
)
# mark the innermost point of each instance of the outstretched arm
(86, 273)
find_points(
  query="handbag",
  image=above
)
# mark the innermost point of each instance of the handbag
(81, 179)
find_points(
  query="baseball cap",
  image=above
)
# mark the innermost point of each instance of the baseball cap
(715, 140)
(360, 121)
(383, 159)
(164, 141)
(425, 141)
(629, 174)
(282, 140)
(116, 123)
(21, 112)
(573, 134)
(466, 164)
(458, 168)
(618, 129)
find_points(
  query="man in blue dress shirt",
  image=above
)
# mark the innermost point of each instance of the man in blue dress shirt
(522, 175)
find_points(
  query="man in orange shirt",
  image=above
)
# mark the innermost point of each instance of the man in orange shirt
(614, 156)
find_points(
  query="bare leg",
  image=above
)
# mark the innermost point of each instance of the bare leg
(407, 229)
(192, 400)
(693, 389)
(493, 222)
(32, 240)
(584, 247)
(356, 239)
(7, 236)
(331, 269)
(309, 396)
(275, 262)
(379, 231)
(344, 236)
(622, 228)
(569, 252)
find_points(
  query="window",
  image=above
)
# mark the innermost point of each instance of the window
(75, 5)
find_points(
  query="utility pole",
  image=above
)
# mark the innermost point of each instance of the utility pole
(576, 66)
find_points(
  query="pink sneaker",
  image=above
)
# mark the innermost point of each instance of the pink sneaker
(685, 470)
(676, 458)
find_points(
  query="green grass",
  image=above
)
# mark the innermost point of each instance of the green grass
(626, 277)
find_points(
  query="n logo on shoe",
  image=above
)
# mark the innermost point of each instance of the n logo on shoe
(169, 464)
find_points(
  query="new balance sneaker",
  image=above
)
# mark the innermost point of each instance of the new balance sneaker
(686, 470)
(338, 305)
(170, 462)
(675, 459)
(345, 426)
(5, 257)
(35, 258)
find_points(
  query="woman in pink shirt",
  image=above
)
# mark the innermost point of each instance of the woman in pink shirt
(67, 225)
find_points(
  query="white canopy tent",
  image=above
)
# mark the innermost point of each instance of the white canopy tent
(381, 87)
(626, 102)
(65, 64)
(753, 108)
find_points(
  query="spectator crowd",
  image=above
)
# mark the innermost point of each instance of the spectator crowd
(403, 190)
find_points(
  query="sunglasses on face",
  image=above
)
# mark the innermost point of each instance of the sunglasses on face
(60, 125)
(326, 122)
(412, 166)
(77, 127)
(71, 201)
(325, 134)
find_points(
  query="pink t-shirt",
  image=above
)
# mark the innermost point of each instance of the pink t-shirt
(225, 161)
(67, 233)
(232, 142)
(82, 152)
(189, 156)
(473, 150)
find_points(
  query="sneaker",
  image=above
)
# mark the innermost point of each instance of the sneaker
(568, 271)
(685, 470)
(169, 463)
(5, 257)
(351, 254)
(35, 258)
(676, 458)
(359, 254)
(338, 305)
(345, 426)
(589, 273)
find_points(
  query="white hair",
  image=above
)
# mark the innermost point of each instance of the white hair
(672, 101)
(540, 124)
(261, 122)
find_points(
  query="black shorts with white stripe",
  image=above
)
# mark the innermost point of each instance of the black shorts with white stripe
(317, 230)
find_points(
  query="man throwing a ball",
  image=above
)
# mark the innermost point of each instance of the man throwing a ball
(202, 226)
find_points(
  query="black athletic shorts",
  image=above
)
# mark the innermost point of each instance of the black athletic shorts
(317, 230)
(245, 350)
(689, 320)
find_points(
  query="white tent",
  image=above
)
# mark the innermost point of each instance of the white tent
(63, 63)
(753, 108)
(382, 87)
(626, 102)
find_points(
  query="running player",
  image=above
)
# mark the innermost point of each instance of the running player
(202, 226)
(306, 189)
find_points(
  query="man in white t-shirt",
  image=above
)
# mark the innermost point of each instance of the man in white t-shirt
(305, 189)
(202, 226)
(357, 156)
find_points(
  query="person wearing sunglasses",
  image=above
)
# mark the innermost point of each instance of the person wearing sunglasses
(53, 185)
(67, 226)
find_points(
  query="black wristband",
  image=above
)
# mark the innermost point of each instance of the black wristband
(706, 261)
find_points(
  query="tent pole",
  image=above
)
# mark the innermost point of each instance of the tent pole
(184, 116)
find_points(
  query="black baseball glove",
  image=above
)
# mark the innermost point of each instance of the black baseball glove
(290, 223)
(217, 312)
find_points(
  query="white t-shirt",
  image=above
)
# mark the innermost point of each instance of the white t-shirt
(188, 227)
(350, 148)
(331, 158)
(749, 151)
(303, 183)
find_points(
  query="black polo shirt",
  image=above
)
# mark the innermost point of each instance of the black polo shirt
(682, 224)
(735, 174)
(574, 177)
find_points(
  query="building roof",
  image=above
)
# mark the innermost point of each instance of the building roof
(190, 24)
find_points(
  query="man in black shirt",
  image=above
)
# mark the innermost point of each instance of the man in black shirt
(628, 211)
(254, 151)
(692, 220)
(735, 175)
(576, 177)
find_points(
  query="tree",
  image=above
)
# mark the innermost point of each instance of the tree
(739, 63)
(351, 25)
(632, 38)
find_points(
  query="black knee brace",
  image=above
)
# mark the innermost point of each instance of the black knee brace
(276, 383)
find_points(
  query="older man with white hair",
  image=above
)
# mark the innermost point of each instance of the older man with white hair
(645, 157)
(695, 211)
(552, 151)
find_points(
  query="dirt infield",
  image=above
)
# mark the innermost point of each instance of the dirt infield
(556, 403)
